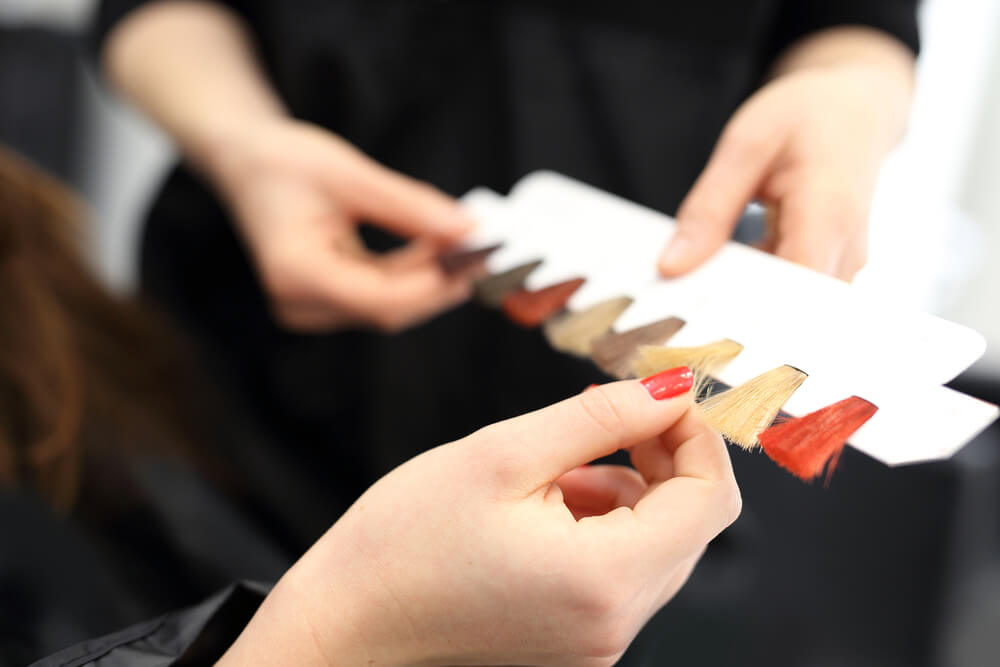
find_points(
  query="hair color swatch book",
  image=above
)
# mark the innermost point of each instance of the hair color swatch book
(596, 253)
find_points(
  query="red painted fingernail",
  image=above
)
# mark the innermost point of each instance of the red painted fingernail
(669, 383)
(591, 386)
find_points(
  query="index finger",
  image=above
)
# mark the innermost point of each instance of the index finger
(404, 205)
(392, 294)
(539, 447)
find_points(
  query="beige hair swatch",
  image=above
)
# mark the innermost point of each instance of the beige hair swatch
(574, 332)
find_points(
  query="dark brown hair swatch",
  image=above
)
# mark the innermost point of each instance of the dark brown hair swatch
(491, 290)
(459, 261)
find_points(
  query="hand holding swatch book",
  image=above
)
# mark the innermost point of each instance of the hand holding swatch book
(812, 363)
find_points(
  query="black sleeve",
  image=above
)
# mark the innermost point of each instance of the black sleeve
(198, 635)
(110, 12)
(798, 18)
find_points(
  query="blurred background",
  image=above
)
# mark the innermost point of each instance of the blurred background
(939, 192)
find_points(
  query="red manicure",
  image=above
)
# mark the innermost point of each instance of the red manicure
(669, 383)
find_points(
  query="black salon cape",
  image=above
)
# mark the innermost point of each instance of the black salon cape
(166, 539)
(198, 635)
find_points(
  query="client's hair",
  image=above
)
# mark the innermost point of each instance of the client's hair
(80, 370)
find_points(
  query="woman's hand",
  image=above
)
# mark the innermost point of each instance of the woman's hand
(809, 145)
(501, 549)
(298, 193)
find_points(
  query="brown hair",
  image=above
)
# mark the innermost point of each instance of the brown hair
(80, 370)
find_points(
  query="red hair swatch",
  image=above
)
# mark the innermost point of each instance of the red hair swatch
(807, 445)
(530, 309)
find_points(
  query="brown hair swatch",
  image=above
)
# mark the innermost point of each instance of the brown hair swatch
(459, 261)
(491, 290)
(613, 353)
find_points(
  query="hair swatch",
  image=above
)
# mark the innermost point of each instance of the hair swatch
(704, 360)
(491, 290)
(806, 445)
(743, 412)
(614, 352)
(458, 261)
(574, 332)
(531, 308)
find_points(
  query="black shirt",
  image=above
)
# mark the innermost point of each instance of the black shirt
(627, 95)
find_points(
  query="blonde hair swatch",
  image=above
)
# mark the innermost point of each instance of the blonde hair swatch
(704, 360)
(744, 412)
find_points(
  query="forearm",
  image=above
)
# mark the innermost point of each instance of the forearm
(191, 67)
(877, 53)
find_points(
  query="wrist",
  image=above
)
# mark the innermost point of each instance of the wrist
(301, 622)
(869, 64)
(226, 153)
(848, 45)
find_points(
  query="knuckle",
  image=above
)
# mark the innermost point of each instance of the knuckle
(287, 318)
(847, 209)
(602, 413)
(426, 190)
(732, 501)
(741, 144)
(388, 321)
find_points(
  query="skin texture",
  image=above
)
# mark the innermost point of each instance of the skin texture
(809, 145)
(498, 548)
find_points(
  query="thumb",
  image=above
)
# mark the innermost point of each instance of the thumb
(539, 447)
(707, 216)
(401, 204)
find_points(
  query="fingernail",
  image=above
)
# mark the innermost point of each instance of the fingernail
(669, 383)
(678, 248)
(591, 386)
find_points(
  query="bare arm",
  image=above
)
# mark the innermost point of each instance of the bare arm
(191, 67)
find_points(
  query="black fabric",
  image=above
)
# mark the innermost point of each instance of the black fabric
(198, 635)
(39, 86)
(169, 541)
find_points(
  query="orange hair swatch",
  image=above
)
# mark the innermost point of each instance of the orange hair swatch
(806, 445)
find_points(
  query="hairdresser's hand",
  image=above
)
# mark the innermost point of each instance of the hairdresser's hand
(809, 145)
(298, 193)
(472, 553)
